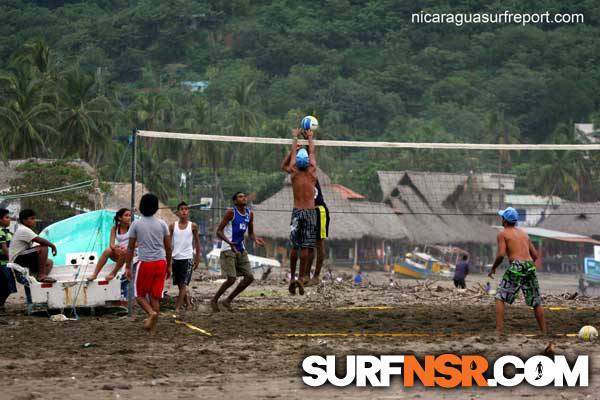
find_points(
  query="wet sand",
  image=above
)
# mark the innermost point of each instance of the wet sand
(252, 355)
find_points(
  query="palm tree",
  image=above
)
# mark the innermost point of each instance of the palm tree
(85, 117)
(562, 172)
(151, 111)
(158, 174)
(244, 117)
(26, 118)
(501, 131)
(35, 54)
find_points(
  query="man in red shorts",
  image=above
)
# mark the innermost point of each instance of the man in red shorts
(151, 235)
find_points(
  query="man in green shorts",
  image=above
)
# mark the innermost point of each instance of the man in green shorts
(520, 275)
(234, 257)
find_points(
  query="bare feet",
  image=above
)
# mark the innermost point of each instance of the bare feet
(226, 304)
(292, 288)
(150, 323)
(214, 306)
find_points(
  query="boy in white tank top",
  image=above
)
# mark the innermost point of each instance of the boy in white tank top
(186, 254)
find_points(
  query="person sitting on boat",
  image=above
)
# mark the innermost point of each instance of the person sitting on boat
(29, 250)
(117, 249)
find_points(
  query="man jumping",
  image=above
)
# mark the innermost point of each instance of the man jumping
(520, 275)
(322, 229)
(303, 171)
(234, 257)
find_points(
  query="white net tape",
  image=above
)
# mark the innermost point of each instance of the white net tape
(359, 144)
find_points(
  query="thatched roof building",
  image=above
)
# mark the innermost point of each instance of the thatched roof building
(120, 196)
(578, 218)
(427, 204)
(350, 219)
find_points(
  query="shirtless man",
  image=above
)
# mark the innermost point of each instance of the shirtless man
(303, 170)
(322, 229)
(520, 275)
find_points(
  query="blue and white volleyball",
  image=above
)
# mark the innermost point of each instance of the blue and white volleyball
(309, 122)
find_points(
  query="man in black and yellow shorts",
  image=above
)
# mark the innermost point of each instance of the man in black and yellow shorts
(514, 243)
(322, 228)
(323, 231)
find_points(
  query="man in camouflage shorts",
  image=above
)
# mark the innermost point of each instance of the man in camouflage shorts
(520, 275)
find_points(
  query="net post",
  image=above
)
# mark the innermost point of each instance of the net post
(130, 288)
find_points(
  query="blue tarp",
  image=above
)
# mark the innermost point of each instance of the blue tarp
(82, 233)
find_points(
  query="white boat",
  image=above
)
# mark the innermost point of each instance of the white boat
(79, 241)
(258, 264)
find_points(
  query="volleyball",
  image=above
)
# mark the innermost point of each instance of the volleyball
(588, 333)
(309, 122)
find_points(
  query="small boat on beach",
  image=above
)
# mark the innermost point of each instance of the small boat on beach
(79, 241)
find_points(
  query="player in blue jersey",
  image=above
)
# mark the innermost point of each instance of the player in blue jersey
(234, 257)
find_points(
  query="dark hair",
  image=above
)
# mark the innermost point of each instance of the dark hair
(148, 205)
(234, 197)
(183, 203)
(118, 216)
(3, 212)
(510, 223)
(465, 257)
(25, 214)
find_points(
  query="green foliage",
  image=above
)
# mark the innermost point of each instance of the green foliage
(361, 67)
(34, 176)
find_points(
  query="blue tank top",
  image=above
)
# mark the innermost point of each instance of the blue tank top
(236, 229)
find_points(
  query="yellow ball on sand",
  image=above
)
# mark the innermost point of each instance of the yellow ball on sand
(588, 333)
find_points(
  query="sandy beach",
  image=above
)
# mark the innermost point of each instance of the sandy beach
(257, 350)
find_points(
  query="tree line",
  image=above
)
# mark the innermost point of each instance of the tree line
(107, 66)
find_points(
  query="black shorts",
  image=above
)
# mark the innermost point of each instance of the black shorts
(182, 271)
(323, 221)
(303, 228)
(30, 261)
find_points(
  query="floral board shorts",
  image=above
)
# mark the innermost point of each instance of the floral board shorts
(520, 275)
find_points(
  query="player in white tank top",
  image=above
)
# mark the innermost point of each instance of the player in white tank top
(183, 248)
(186, 254)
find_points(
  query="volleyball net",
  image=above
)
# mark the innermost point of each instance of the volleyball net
(402, 192)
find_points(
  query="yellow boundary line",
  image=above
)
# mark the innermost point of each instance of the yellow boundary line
(193, 327)
(186, 324)
(391, 334)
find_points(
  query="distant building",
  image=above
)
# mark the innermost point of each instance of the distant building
(437, 208)
(576, 218)
(195, 86)
(532, 209)
(360, 231)
(485, 194)
(587, 133)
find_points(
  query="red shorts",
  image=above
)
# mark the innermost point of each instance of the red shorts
(150, 278)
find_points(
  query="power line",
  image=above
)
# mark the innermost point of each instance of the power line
(61, 189)
(333, 211)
